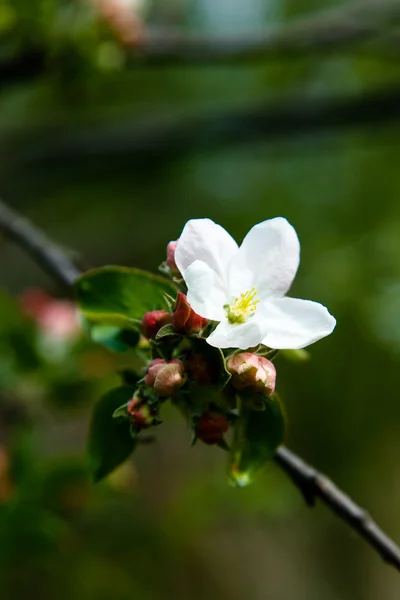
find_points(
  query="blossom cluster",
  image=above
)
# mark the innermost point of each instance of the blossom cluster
(229, 318)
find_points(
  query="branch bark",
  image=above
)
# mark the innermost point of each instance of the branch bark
(325, 31)
(50, 256)
(314, 485)
(170, 138)
(311, 483)
(331, 30)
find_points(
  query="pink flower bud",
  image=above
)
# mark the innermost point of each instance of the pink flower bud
(211, 427)
(251, 371)
(165, 377)
(133, 404)
(171, 258)
(184, 319)
(139, 413)
(153, 321)
(152, 370)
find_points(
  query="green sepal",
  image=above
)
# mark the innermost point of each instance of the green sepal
(109, 442)
(257, 435)
(170, 300)
(121, 412)
(166, 331)
(120, 296)
(164, 269)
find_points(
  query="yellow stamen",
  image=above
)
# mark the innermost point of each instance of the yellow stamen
(243, 307)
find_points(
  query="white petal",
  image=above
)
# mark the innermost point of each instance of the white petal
(293, 323)
(202, 239)
(243, 336)
(267, 259)
(206, 292)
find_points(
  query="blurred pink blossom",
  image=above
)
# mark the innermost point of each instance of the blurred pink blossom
(57, 319)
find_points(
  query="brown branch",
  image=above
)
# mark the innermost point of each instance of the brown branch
(331, 30)
(334, 29)
(315, 485)
(311, 483)
(51, 257)
(165, 139)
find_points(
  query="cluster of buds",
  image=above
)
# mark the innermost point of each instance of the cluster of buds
(184, 320)
(251, 371)
(248, 371)
(165, 377)
(140, 414)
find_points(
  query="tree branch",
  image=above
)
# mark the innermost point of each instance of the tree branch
(311, 483)
(51, 257)
(166, 139)
(334, 29)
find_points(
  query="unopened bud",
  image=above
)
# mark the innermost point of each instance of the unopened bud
(184, 319)
(199, 370)
(165, 377)
(153, 321)
(152, 370)
(140, 413)
(252, 371)
(211, 427)
(171, 258)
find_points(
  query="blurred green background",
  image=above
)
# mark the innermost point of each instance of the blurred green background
(111, 153)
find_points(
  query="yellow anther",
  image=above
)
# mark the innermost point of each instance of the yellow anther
(243, 307)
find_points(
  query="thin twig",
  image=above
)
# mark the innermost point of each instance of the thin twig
(49, 255)
(315, 485)
(311, 483)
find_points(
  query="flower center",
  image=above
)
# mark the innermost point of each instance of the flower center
(243, 307)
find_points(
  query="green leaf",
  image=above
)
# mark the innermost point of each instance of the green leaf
(120, 296)
(257, 434)
(166, 331)
(115, 338)
(110, 442)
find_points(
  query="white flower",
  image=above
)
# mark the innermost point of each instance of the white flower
(244, 288)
